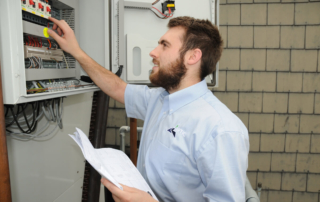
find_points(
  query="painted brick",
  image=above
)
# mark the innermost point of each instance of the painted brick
(308, 162)
(110, 136)
(317, 104)
(278, 60)
(289, 82)
(239, 81)
(275, 102)
(294, 181)
(253, 59)
(264, 196)
(224, 35)
(111, 103)
(307, 13)
(283, 161)
(222, 81)
(318, 68)
(266, 1)
(229, 99)
(280, 14)
(277, 196)
(230, 14)
(313, 37)
(261, 122)
(239, 1)
(244, 117)
(292, 37)
(305, 197)
(310, 123)
(139, 123)
(230, 59)
(313, 184)
(270, 180)
(250, 102)
(223, 2)
(264, 81)
(240, 36)
(259, 161)
(254, 140)
(296, 142)
(252, 176)
(315, 143)
(272, 142)
(311, 82)
(286, 123)
(301, 103)
(119, 105)
(287, 1)
(304, 60)
(254, 14)
(116, 118)
(266, 36)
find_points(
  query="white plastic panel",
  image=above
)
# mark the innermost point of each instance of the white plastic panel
(146, 46)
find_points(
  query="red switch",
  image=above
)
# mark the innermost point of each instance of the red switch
(32, 3)
(48, 10)
(40, 6)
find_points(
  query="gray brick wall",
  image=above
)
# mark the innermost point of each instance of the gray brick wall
(270, 78)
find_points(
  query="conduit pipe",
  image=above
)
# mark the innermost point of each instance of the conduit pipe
(251, 195)
(123, 130)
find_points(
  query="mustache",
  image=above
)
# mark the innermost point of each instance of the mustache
(155, 61)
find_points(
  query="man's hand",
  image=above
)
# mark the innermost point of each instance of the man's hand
(128, 194)
(68, 41)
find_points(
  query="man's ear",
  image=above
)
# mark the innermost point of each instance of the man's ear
(193, 56)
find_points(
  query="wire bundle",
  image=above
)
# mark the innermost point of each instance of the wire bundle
(162, 15)
(22, 119)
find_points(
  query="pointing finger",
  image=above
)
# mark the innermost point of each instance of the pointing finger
(55, 36)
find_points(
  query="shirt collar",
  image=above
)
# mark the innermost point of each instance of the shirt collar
(185, 96)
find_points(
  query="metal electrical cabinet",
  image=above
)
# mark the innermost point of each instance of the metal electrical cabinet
(136, 31)
(21, 33)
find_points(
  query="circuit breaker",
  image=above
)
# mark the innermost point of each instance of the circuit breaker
(33, 66)
(137, 25)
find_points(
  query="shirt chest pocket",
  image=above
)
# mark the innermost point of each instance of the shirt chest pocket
(169, 165)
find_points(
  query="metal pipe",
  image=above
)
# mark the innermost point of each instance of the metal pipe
(123, 130)
(251, 195)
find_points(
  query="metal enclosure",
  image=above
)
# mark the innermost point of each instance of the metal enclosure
(14, 74)
(136, 31)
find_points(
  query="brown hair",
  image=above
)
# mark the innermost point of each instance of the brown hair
(200, 34)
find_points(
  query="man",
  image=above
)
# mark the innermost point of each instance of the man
(193, 148)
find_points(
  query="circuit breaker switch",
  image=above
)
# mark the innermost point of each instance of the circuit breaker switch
(40, 6)
(31, 2)
(48, 9)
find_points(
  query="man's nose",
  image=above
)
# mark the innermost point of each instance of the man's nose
(153, 53)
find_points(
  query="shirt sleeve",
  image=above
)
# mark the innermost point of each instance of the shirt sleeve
(222, 164)
(136, 99)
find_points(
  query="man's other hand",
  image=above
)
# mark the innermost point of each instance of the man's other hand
(128, 194)
(65, 37)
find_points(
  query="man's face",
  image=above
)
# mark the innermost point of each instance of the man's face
(168, 68)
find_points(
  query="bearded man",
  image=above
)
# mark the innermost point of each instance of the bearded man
(193, 148)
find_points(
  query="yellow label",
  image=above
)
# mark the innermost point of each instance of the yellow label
(24, 9)
(42, 16)
(170, 5)
(33, 12)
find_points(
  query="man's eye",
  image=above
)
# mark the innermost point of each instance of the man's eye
(165, 45)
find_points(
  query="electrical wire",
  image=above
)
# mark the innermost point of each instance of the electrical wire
(155, 2)
(166, 16)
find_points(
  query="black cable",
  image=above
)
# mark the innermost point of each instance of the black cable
(15, 119)
(26, 120)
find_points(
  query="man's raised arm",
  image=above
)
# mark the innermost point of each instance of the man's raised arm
(108, 82)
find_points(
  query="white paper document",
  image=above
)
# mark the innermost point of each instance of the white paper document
(112, 164)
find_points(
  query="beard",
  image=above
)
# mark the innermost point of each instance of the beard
(168, 77)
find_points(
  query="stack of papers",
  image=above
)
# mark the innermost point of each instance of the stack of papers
(112, 164)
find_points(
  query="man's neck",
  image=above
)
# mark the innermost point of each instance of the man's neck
(185, 83)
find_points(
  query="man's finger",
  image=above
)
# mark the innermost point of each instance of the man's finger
(112, 188)
(59, 31)
(55, 36)
(59, 23)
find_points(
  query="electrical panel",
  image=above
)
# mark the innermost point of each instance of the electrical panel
(138, 25)
(33, 66)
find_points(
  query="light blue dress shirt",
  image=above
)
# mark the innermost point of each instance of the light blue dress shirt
(193, 148)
